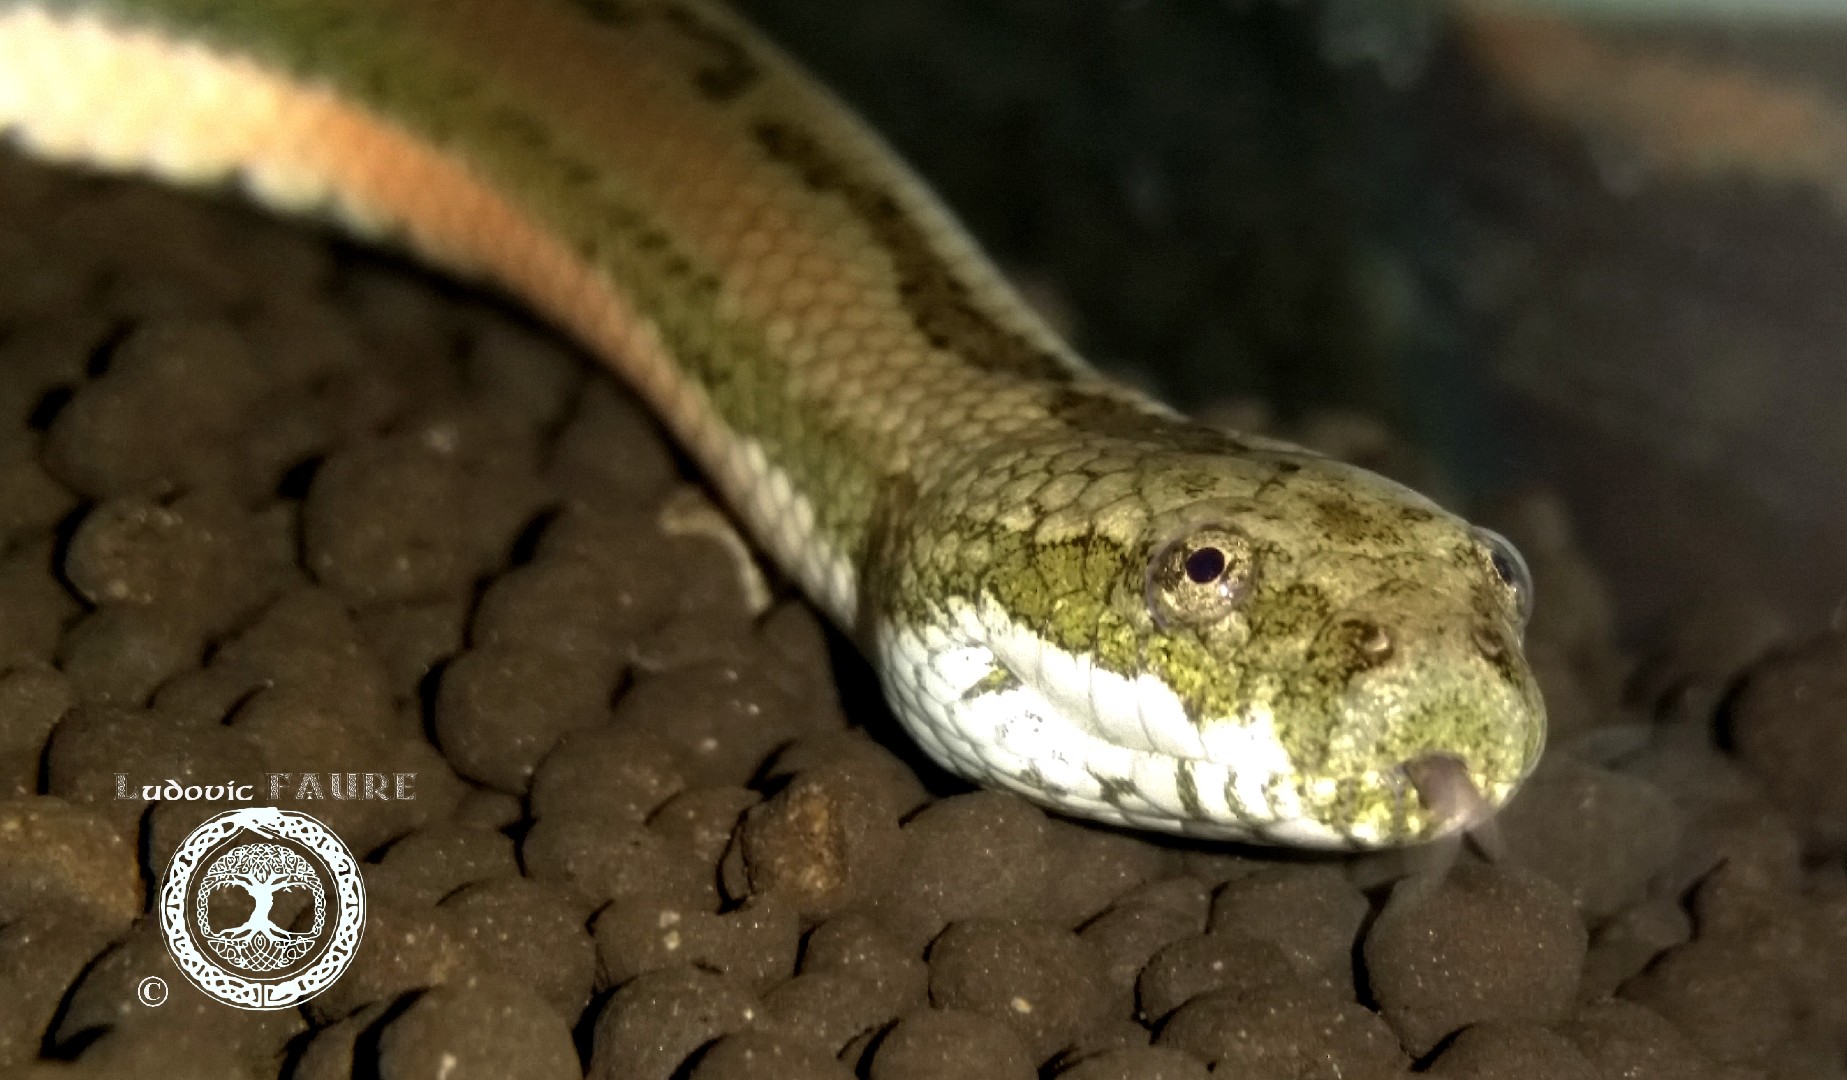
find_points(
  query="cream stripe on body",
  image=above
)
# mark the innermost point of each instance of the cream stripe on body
(304, 149)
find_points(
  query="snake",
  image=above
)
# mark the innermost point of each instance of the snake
(1067, 589)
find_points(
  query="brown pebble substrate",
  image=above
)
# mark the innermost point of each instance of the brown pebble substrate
(269, 503)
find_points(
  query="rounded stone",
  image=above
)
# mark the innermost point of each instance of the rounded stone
(484, 1032)
(1482, 943)
(1043, 981)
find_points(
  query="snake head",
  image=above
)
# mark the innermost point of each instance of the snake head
(1270, 646)
(1347, 651)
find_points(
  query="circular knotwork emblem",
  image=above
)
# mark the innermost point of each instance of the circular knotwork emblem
(262, 908)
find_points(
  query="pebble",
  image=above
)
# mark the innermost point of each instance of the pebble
(201, 560)
(31, 501)
(484, 808)
(430, 863)
(41, 955)
(41, 360)
(851, 944)
(1600, 835)
(314, 740)
(895, 781)
(529, 934)
(523, 373)
(37, 607)
(757, 942)
(173, 395)
(105, 998)
(700, 823)
(1826, 924)
(465, 1033)
(701, 820)
(407, 947)
(1301, 1030)
(827, 840)
(179, 255)
(1786, 726)
(501, 709)
(1204, 963)
(33, 698)
(762, 1055)
(797, 646)
(1137, 926)
(826, 1009)
(1116, 1033)
(1138, 1063)
(600, 860)
(1095, 866)
(652, 1024)
(413, 639)
(121, 655)
(638, 934)
(608, 451)
(408, 517)
(1312, 913)
(1038, 978)
(304, 646)
(1630, 941)
(979, 855)
(1722, 995)
(130, 1054)
(608, 771)
(1625, 1039)
(723, 718)
(590, 608)
(1506, 1051)
(55, 855)
(948, 1044)
(1481, 943)
(330, 1052)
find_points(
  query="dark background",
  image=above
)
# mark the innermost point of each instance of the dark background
(1334, 204)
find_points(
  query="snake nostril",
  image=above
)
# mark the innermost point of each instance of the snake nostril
(1489, 642)
(1367, 643)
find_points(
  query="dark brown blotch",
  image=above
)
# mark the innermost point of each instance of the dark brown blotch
(1098, 413)
(732, 71)
(611, 12)
(937, 301)
(1116, 792)
(1346, 522)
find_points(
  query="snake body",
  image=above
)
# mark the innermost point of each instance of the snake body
(1068, 590)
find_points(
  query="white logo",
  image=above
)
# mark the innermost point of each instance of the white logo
(235, 884)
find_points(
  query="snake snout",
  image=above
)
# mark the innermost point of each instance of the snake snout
(1436, 715)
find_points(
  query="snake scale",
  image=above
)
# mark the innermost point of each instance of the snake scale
(1068, 590)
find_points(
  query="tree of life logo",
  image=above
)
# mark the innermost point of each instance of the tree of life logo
(262, 908)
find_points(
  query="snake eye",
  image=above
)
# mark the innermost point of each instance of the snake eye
(1205, 565)
(1199, 577)
(1511, 570)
